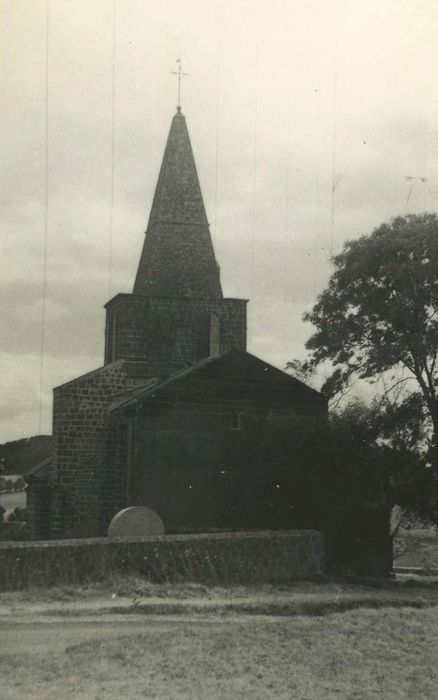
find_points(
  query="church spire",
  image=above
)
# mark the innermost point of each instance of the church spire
(178, 258)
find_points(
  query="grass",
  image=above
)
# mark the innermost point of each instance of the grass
(138, 587)
(359, 655)
(315, 640)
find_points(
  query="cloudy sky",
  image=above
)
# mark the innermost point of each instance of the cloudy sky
(305, 116)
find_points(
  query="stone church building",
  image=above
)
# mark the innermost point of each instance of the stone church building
(173, 417)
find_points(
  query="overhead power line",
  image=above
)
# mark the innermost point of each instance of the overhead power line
(46, 220)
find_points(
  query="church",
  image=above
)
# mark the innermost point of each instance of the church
(173, 418)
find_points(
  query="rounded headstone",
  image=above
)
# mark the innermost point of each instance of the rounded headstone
(136, 521)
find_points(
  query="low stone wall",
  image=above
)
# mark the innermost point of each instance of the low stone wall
(220, 558)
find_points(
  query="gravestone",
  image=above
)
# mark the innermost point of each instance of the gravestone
(136, 521)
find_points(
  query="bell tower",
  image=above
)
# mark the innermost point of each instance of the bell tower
(176, 312)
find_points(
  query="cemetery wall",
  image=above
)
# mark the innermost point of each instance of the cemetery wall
(216, 559)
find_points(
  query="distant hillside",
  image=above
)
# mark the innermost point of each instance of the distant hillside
(19, 456)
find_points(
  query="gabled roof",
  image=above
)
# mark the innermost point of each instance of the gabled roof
(178, 257)
(234, 368)
(137, 394)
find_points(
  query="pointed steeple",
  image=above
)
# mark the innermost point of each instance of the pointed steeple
(178, 258)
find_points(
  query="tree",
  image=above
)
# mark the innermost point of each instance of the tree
(380, 310)
(19, 484)
(343, 476)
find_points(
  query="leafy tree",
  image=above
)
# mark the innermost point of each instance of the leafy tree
(19, 456)
(329, 475)
(380, 310)
(344, 475)
(19, 484)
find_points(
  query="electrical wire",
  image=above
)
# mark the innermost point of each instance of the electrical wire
(254, 193)
(113, 102)
(46, 221)
(335, 181)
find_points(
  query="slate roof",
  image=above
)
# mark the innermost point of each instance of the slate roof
(178, 259)
(240, 366)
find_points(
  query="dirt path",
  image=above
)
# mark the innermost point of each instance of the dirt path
(305, 599)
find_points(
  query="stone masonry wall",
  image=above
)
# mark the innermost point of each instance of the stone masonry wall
(218, 559)
(81, 444)
(167, 328)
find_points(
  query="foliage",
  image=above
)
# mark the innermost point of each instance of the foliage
(323, 462)
(386, 443)
(301, 369)
(345, 475)
(19, 456)
(379, 310)
(9, 484)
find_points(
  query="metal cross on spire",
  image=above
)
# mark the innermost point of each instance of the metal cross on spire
(179, 73)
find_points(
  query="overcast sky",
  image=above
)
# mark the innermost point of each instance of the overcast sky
(285, 101)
